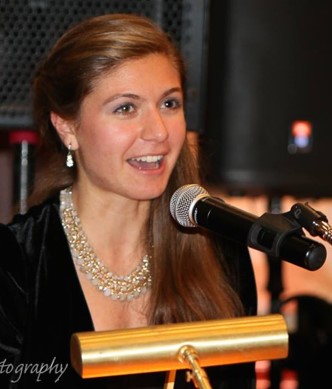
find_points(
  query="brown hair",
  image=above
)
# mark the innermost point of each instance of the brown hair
(81, 56)
(188, 282)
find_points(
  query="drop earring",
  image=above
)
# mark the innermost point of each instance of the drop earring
(69, 159)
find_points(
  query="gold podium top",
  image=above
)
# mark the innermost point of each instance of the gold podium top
(157, 348)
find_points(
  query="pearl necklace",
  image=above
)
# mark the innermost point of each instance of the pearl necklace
(117, 287)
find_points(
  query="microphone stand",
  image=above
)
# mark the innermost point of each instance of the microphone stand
(300, 216)
(275, 283)
(275, 288)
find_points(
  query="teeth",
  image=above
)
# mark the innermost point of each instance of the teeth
(149, 158)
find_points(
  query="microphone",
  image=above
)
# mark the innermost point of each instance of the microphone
(277, 235)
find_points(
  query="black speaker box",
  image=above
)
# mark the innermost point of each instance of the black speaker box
(269, 97)
(28, 28)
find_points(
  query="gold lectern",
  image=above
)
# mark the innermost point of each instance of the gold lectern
(177, 346)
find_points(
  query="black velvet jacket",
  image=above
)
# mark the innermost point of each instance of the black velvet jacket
(42, 305)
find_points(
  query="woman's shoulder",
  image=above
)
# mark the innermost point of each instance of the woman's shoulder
(23, 242)
(35, 217)
(25, 231)
(35, 212)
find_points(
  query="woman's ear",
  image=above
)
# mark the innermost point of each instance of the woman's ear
(65, 129)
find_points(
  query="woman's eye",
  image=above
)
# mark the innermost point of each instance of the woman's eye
(124, 109)
(172, 104)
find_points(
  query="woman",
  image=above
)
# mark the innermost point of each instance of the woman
(108, 102)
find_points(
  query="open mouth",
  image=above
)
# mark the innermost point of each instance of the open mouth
(148, 162)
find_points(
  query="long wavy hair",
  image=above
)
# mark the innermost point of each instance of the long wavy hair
(189, 278)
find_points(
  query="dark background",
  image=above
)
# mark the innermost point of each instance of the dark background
(254, 68)
(270, 65)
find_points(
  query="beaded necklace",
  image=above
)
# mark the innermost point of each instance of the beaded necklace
(122, 288)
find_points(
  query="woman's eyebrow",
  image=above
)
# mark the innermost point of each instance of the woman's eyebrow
(121, 95)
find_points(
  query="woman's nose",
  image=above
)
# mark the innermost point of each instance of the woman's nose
(155, 126)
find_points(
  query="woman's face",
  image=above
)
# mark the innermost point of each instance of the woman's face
(132, 128)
